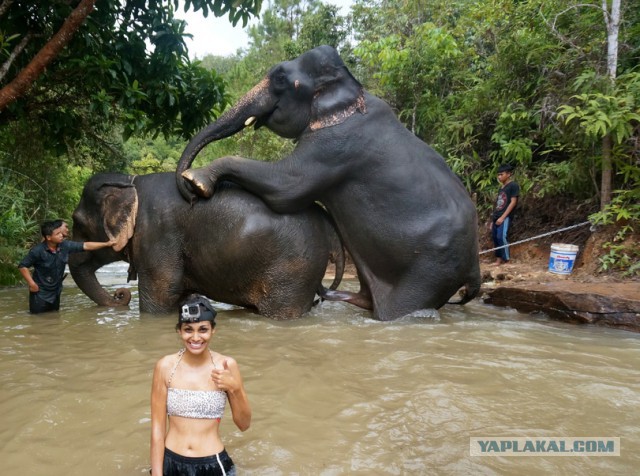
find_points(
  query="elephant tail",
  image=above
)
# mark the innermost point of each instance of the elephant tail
(470, 290)
(337, 254)
(338, 258)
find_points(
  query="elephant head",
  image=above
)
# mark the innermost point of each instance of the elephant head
(117, 204)
(311, 92)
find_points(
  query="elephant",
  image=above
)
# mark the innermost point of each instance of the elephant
(233, 250)
(405, 218)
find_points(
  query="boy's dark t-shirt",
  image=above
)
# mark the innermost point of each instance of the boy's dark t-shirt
(48, 267)
(505, 194)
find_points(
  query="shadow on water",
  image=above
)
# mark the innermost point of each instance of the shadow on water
(332, 393)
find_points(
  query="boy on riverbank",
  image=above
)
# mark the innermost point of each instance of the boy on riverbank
(506, 203)
(48, 259)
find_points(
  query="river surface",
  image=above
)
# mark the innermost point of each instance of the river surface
(333, 393)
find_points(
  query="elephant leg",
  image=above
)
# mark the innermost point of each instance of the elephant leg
(294, 293)
(202, 180)
(393, 301)
(405, 297)
(159, 292)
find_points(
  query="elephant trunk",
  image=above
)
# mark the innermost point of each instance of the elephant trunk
(245, 112)
(84, 274)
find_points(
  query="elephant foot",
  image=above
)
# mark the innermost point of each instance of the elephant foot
(199, 182)
(122, 296)
(357, 299)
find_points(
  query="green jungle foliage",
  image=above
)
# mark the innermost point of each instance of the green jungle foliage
(483, 81)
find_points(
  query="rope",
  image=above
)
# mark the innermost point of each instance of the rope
(538, 236)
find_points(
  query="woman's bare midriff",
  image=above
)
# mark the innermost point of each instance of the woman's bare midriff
(193, 437)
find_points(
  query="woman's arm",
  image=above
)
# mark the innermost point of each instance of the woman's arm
(158, 417)
(230, 380)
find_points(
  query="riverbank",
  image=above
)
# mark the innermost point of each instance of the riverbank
(579, 297)
(582, 297)
(585, 296)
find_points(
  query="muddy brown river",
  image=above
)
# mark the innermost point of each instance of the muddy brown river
(334, 393)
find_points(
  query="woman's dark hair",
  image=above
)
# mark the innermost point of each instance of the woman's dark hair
(196, 309)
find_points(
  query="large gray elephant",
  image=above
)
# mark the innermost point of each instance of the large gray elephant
(234, 249)
(403, 215)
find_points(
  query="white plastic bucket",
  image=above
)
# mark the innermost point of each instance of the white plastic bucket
(562, 258)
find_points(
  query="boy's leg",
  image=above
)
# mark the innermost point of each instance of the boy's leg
(496, 233)
(499, 234)
(503, 233)
(494, 236)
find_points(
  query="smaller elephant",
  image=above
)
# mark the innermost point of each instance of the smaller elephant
(233, 249)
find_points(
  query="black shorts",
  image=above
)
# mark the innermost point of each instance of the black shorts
(38, 305)
(215, 465)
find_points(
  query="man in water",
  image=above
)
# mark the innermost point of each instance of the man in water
(48, 259)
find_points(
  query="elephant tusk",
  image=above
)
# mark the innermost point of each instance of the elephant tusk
(250, 121)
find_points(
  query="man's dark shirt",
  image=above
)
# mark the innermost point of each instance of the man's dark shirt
(48, 267)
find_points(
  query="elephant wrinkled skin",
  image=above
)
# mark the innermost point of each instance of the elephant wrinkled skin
(233, 249)
(403, 215)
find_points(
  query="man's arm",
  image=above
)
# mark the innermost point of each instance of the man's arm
(26, 274)
(97, 245)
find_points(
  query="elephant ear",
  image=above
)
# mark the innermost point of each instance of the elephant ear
(338, 95)
(119, 212)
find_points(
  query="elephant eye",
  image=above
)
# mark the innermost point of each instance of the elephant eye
(280, 80)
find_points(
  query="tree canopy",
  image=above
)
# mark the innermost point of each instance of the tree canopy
(80, 68)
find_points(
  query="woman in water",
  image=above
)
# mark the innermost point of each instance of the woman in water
(190, 389)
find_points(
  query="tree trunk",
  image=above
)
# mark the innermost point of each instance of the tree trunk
(46, 55)
(607, 175)
(612, 20)
(613, 27)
